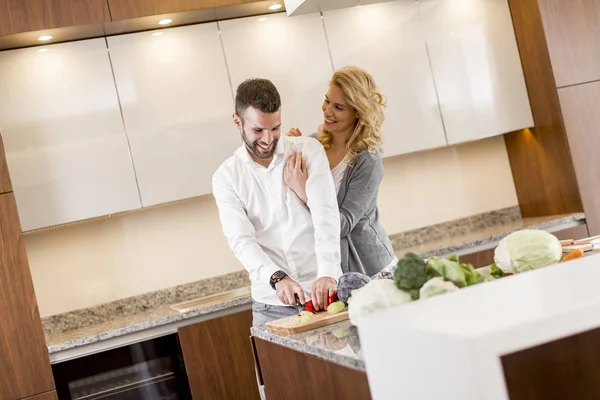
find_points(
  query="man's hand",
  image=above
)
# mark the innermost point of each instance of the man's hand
(321, 289)
(286, 288)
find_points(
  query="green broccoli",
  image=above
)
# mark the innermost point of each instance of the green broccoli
(495, 271)
(410, 272)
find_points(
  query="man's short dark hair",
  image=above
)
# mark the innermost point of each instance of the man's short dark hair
(258, 93)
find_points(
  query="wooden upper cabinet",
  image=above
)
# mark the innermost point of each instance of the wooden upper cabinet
(581, 118)
(33, 15)
(24, 363)
(572, 29)
(123, 9)
(5, 185)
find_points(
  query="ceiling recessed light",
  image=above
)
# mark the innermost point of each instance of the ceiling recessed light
(165, 21)
(262, 19)
(43, 50)
(275, 7)
(44, 38)
(157, 33)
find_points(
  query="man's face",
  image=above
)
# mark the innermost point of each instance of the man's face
(260, 131)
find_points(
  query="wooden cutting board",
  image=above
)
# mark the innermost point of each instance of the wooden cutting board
(323, 318)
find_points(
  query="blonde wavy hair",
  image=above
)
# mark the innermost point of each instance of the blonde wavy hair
(362, 94)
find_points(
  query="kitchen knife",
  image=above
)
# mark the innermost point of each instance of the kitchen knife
(299, 306)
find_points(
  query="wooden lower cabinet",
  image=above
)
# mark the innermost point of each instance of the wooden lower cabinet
(24, 362)
(218, 358)
(44, 396)
(484, 258)
(290, 374)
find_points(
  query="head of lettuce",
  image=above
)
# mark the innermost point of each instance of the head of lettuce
(527, 250)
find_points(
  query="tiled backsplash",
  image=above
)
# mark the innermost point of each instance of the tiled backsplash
(105, 260)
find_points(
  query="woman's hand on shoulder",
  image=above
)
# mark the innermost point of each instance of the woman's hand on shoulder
(294, 132)
(295, 175)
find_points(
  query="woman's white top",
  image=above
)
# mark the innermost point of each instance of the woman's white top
(339, 171)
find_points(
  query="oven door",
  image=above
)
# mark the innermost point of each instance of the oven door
(150, 370)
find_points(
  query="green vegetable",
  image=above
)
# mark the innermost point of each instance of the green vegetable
(304, 316)
(451, 270)
(410, 272)
(473, 277)
(496, 272)
(336, 307)
(436, 286)
(447, 269)
(527, 250)
(414, 293)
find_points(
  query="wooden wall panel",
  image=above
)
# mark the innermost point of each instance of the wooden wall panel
(540, 159)
(24, 362)
(34, 15)
(290, 374)
(582, 120)
(218, 358)
(5, 184)
(44, 396)
(572, 30)
(562, 369)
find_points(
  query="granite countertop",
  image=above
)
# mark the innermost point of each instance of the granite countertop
(338, 343)
(113, 320)
(135, 314)
(462, 241)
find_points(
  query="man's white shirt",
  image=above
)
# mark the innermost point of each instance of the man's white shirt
(269, 228)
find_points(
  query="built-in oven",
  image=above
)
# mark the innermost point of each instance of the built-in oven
(150, 370)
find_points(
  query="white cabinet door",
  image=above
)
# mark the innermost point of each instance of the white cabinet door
(388, 41)
(292, 53)
(177, 105)
(476, 67)
(66, 147)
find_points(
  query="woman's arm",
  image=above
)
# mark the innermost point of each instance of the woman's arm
(361, 192)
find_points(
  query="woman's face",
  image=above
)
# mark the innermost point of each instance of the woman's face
(339, 117)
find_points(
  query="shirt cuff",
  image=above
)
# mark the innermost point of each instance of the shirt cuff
(330, 270)
(267, 271)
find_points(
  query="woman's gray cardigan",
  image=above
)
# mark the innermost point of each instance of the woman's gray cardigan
(365, 246)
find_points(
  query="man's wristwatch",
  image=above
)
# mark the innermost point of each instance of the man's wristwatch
(276, 277)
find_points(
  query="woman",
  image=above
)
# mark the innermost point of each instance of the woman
(353, 111)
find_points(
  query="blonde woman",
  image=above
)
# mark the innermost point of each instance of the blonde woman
(353, 111)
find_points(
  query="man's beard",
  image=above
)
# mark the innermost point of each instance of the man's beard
(256, 150)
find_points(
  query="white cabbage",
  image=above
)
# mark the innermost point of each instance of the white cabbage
(527, 250)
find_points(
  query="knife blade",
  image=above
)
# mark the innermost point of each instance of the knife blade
(299, 306)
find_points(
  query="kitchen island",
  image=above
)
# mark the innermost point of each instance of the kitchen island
(530, 336)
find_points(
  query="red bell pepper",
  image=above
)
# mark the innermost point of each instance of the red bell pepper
(333, 298)
(308, 306)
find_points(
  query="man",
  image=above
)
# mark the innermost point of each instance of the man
(288, 248)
